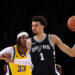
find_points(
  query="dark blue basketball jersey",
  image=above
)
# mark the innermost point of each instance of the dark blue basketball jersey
(43, 56)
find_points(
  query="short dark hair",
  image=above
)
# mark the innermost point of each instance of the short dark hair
(41, 19)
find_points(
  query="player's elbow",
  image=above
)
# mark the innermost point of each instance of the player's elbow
(72, 55)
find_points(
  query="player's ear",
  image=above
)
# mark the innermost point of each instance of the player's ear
(43, 26)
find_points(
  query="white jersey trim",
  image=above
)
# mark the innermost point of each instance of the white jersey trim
(50, 41)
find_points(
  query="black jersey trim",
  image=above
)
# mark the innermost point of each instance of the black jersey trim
(10, 73)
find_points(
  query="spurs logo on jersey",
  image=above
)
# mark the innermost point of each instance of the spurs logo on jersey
(39, 48)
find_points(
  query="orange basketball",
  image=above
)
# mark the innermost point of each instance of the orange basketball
(71, 23)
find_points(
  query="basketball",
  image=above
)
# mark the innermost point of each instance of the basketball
(71, 23)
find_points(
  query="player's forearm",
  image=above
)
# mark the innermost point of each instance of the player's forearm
(63, 47)
(1, 58)
(10, 61)
(66, 49)
(73, 51)
(5, 56)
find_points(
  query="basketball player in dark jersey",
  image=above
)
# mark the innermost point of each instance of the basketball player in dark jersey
(42, 48)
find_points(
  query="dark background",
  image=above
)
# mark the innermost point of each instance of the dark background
(16, 17)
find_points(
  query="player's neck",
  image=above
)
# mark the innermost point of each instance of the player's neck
(22, 50)
(40, 36)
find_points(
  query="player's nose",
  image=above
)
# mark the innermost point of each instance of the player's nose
(25, 39)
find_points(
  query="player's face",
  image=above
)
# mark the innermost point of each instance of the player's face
(37, 27)
(23, 40)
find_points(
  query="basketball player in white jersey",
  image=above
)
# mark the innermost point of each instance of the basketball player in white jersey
(18, 51)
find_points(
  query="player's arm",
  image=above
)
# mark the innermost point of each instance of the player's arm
(6, 53)
(26, 61)
(63, 47)
(2, 57)
(28, 44)
(19, 61)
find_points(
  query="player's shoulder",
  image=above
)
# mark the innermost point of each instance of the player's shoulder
(53, 36)
(28, 43)
(7, 49)
(10, 47)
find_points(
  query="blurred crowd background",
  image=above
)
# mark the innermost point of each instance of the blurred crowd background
(16, 17)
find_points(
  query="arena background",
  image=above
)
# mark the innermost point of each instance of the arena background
(16, 17)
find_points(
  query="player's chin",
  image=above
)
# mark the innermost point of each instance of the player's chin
(24, 46)
(35, 33)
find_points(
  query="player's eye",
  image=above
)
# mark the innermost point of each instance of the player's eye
(36, 25)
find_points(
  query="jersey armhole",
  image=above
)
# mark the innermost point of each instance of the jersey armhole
(8, 70)
(52, 46)
(50, 41)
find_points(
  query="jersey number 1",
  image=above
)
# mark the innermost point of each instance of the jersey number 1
(42, 57)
